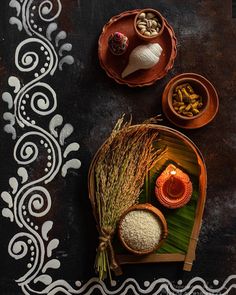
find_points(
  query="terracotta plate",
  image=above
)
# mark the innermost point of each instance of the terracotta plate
(208, 115)
(114, 65)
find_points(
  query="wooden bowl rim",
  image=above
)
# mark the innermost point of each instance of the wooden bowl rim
(158, 214)
(160, 18)
(169, 98)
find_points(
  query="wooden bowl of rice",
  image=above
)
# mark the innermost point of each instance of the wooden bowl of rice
(142, 229)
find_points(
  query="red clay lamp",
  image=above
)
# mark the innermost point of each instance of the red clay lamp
(173, 188)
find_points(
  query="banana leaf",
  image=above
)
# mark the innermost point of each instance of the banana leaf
(180, 221)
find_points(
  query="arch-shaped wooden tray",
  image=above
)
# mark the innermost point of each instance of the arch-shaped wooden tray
(184, 153)
(114, 65)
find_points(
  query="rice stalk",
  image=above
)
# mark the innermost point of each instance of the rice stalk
(120, 170)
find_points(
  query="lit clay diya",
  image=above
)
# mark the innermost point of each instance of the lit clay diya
(173, 188)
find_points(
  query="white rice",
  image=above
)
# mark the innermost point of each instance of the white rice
(141, 230)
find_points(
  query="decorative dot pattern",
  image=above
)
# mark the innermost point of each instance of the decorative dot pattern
(78, 283)
(146, 284)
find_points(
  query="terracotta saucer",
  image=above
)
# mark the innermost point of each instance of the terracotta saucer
(114, 65)
(208, 115)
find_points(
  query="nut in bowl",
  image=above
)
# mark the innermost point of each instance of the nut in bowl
(148, 24)
(142, 229)
(188, 98)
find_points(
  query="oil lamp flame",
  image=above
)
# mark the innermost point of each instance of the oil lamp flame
(173, 173)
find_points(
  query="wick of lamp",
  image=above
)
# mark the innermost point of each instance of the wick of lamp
(172, 185)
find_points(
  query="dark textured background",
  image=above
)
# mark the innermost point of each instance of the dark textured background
(92, 102)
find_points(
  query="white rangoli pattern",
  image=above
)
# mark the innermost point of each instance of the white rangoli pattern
(38, 56)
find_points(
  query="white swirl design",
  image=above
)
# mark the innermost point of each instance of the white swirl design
(39, 202)
(28, 153)
(28, 200)
(17, 249)
(46, 7)
(40, 102)
(29, 60)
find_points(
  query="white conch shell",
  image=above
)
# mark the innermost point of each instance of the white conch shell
(143, 57)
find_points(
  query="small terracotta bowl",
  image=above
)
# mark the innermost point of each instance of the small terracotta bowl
(198, 88)
(162, 221)
(157, 15)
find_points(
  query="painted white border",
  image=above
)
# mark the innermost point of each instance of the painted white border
(39, 55)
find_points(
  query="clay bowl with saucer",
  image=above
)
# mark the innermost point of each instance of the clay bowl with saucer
(187, 99)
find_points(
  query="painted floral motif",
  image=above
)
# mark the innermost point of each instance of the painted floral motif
(39, 55)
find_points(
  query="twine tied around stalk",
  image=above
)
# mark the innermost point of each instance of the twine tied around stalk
(105, 238)
(105, 244)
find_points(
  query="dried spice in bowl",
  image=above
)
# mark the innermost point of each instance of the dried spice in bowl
(188, 98)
